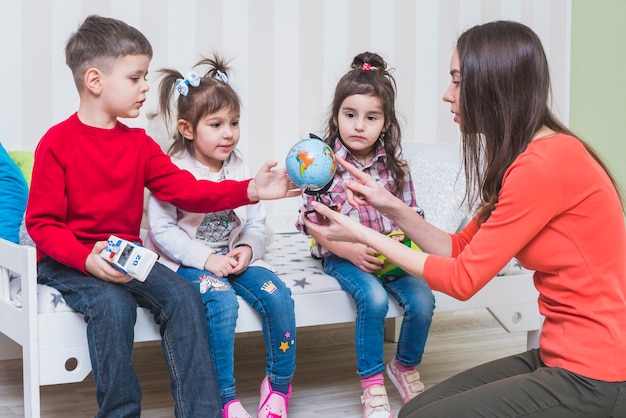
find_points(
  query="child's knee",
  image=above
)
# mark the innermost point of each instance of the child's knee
(116, 306)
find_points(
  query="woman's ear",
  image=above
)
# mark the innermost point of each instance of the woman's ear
(185, 129)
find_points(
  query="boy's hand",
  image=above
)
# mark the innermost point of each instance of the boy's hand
(100, 268)
(271, 184)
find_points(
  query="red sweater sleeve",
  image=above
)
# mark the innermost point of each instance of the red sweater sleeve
(171, 184)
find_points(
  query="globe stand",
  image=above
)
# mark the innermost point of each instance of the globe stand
(316, 194)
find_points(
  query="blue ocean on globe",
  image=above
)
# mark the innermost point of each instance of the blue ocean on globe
(311, 164)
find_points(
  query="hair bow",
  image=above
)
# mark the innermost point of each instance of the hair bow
(367, 66)
(221, 76)
(182, 85)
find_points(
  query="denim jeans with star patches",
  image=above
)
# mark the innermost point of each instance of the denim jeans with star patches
(269, 296)
(110, 311)
(372, 302)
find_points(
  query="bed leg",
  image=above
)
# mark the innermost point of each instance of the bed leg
(532, 339)
(31, 383)
(30, 350)
(392, 329)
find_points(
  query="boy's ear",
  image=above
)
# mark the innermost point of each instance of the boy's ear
(93, 80)
(185, 129)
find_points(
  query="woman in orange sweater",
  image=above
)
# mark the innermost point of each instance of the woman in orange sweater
(543, 196)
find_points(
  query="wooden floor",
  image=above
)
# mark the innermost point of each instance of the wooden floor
(325, 384)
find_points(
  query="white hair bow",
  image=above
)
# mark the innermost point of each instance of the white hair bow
(182, 85)
(221, 76)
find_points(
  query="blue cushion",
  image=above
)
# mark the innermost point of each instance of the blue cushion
(13, 197)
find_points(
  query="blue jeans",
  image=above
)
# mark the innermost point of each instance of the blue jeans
(269, 296)
(372, 304)
(110, 311)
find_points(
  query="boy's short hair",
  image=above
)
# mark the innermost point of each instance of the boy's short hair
(99, 41)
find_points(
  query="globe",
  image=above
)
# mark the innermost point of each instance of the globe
(311, 164)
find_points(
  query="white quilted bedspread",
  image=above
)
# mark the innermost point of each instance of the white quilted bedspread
(287, 253)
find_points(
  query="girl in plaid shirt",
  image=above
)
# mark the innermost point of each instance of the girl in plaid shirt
(363, 129)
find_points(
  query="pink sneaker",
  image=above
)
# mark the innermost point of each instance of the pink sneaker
(375, 402)
(272, 404)
(234, 409)
(408, 383)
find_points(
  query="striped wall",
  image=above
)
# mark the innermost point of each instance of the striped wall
(287, 56)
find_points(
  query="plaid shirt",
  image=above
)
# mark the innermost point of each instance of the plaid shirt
(367, 215)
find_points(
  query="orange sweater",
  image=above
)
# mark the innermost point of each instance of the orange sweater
(560, 215)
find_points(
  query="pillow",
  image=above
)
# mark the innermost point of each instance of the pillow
(24, 160)
(13, 197)
(25, 238)
(439, 190)
(158, 129)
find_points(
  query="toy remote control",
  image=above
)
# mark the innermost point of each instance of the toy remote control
(129, 257)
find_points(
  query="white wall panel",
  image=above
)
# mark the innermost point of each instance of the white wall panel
(382, 15)
(427, 91)
(286, 56)
(11, 130)
(511, 10)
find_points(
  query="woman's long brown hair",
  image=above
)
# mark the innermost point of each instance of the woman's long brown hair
(505, 97)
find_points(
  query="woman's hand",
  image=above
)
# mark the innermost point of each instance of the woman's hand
(364, 190)
(271, 184)
(333, 225)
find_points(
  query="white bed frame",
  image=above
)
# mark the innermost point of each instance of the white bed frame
(54, 345)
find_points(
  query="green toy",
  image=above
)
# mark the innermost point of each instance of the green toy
(389, 271)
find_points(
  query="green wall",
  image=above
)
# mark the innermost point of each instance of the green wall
(598, 80)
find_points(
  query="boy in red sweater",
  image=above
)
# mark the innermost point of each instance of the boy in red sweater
(88, 183)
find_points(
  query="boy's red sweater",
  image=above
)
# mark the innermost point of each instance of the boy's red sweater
(88, 183)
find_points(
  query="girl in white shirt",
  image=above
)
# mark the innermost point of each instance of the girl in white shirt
(221, 253)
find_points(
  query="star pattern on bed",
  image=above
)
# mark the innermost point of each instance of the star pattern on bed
(57, 299)
(288, 254)
(302, 283)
